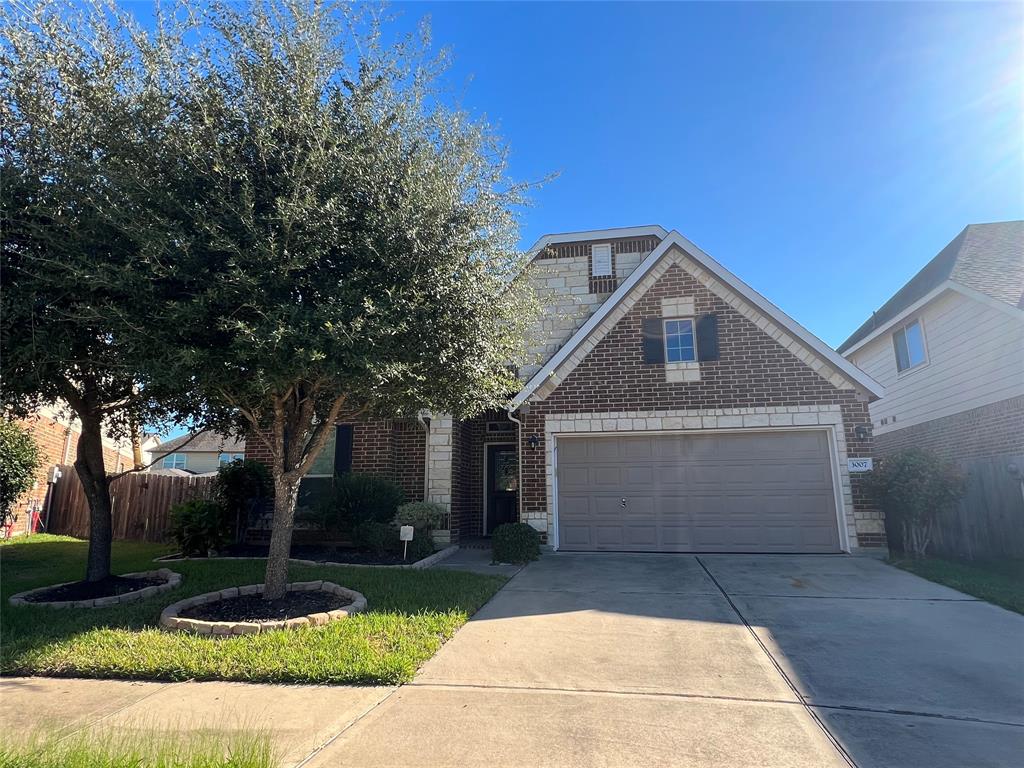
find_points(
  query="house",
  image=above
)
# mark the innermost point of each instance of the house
(197, 453)
(949, 349)
(668, 407)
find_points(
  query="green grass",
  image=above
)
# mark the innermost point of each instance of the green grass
(998, 581)
(140, 749)
(410, 614)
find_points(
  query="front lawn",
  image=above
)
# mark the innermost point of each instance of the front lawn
(997, 581)
(411, 613)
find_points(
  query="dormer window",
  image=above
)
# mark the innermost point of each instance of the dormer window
(908, 341)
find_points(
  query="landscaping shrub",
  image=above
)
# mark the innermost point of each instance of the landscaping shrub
(515, 543)
(912, 488)
(376, 538)
(422, 545)
(242, 487)
(19, 460)
(422, 515)
(357, 499)
(199, 526)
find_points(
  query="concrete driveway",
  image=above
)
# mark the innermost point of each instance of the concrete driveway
(621, 660)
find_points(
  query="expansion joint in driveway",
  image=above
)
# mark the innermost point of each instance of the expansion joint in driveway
(796, 692)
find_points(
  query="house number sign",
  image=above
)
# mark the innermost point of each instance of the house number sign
(860, 465)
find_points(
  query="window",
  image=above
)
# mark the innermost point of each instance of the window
(227, 458)
(909, 344)
(174, 461)
(680, 346)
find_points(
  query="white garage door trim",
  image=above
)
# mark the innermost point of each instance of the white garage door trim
(833, 457)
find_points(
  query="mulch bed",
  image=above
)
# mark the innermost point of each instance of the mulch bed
(90, 590)
(254, 608)
(324, 554)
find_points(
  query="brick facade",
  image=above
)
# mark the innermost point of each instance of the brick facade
(755, 370)
(395, 449)
(990, 430)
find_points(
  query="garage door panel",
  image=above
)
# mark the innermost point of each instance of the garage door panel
(731, 492)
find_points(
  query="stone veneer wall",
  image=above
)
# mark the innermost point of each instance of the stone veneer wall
(561, 277)
(990, 430)
(761, 369)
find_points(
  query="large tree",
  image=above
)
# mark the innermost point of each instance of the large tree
(349, 241)
(80, 117)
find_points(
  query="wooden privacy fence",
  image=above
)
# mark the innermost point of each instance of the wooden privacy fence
(140, 501)
(989, 520)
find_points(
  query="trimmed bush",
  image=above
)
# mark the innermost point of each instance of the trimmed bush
(357, 499)
(376, 538)
(422, 515)
(199, 526)
(913, 487)
(515, 543)
(19, 460)
(422, 545)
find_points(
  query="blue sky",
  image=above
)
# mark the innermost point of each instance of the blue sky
(823, 152)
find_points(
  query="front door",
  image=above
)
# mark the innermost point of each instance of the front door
(501, 473)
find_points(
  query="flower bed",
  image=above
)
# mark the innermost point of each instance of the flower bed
(175, 616)
(167, 580)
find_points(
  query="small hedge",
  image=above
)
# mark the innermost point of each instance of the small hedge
(199, 526)
(422, 515)
(422, 545)
(515, 543)
(376, 538)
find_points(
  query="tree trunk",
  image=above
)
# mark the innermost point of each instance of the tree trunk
(92, 473)
(286, 494)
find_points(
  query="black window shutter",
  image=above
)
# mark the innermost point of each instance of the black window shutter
(654, 340)
(707, 337)
(343, 449)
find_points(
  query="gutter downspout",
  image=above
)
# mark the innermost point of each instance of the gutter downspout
(421, 418)
(519, 463)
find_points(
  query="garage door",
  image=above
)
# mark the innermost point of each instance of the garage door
(731, 492)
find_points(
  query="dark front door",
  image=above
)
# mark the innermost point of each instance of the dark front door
(501, 486)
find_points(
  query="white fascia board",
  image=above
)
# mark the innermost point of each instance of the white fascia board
(897, 319)
(596, 234)
(675, 239)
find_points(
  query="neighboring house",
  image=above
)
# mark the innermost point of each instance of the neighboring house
(56, 435)
(670, 407)
(197, 454)
(949, 349)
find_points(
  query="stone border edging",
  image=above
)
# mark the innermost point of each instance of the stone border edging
(426, 562)
(169, 618)
(172, 580)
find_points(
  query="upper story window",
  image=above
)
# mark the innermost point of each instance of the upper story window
(227, 458)
(909, 344)
(174, 461)
(601, 260)
(680, 346)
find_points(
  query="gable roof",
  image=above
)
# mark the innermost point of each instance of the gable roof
(987, 258)
(675, 239)
(207, 440)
